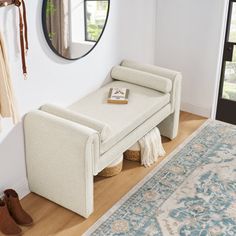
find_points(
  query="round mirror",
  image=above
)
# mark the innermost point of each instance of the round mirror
(73, 27)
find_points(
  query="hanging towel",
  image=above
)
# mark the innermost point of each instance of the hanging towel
(7, 99)
(151, 147)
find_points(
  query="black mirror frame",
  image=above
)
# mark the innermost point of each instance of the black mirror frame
(44, 25)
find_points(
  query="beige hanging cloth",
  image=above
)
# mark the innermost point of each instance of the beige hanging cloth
(7, 99)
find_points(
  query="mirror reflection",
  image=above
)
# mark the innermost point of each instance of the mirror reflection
(73, 27)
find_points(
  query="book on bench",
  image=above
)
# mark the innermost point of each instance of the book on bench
(118, 96)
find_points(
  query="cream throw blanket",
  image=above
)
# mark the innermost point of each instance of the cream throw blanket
(7, 99)
(151, 147)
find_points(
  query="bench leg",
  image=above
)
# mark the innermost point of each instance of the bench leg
(169, 127)
(59, 158)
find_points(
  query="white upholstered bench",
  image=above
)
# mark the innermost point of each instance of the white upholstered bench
(65, 148)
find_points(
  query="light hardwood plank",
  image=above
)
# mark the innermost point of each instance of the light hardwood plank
(51, 219)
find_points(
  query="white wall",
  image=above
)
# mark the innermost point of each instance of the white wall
(139, 30)
(189, 39)
(54, 80)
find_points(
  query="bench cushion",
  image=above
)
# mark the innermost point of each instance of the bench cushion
(122, 119)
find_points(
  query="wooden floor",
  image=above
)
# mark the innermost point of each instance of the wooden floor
(51, 219)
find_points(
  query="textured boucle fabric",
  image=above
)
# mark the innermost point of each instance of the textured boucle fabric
(142, 78)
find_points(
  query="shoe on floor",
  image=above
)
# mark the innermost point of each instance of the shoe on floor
(7, 225)
(15, 209)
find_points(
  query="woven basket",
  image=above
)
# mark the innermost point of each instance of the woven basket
(113, 169)
(133, 153)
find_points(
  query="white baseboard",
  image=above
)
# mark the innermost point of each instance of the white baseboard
(201, 111)
(22, 189)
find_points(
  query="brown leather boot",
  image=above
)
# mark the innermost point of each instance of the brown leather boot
(7, 225)
(15, 209)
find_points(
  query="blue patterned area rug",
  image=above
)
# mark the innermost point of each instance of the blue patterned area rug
(192, 192)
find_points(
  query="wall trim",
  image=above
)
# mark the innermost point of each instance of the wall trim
(201, 111)
(220, 59)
